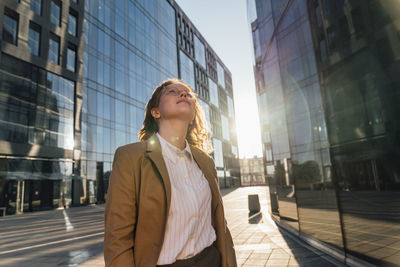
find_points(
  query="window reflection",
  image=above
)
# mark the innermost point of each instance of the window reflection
(200, 53)
(50, 123)
(72, 24)
(71, 58)
(213, 92)
(54, 49)
(36, 6)
(34, 39)
(10, 27)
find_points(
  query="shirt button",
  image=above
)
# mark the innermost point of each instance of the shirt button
(195, 215)
(185, 176)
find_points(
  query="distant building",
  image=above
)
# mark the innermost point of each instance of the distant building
(252, 171)
(327, 79)
(74, 80)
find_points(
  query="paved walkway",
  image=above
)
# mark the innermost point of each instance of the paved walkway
(261, 243)
(74, 237)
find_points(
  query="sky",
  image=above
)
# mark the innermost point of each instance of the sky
(223, 24)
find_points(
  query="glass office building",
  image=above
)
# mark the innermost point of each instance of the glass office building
(328, 91)
(74, 80)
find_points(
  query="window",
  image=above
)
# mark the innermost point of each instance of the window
(54, 49)
(218, 154)
(34, 39)
(72, 24)
(268, 154)
(187, 70)
(10, 27)
(36, 6)
(71, 58)
(225, 127)
(200, 52)
(221, 75)
(55, 13)
(119, 23)
(213, 92)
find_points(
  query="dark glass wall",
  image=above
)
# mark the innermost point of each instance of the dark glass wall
(337, 70)
(357, 46)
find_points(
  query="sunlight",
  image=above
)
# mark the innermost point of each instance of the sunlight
(248, 128)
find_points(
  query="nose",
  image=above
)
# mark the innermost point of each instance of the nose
(183, 92)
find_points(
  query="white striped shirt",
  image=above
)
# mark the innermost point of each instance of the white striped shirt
(189, 228)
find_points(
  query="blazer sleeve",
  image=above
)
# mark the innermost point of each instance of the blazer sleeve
(120, 212)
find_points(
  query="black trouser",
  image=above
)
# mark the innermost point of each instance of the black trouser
(209, 257)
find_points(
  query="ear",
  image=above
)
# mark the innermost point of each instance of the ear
(155, 113)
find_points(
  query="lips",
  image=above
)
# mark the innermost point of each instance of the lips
(183, 100)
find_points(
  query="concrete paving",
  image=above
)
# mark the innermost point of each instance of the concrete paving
(74, 237)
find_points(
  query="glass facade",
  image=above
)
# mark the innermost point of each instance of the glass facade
(61, 128)
(38, 114)
(326, 96)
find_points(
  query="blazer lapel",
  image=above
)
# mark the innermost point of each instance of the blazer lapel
(202, 161)
(153, 150)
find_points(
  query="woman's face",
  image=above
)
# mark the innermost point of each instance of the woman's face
(176, 102)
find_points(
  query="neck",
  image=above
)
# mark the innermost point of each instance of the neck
(174, 131)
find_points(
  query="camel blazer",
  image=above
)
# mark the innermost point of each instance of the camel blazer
(137, 205)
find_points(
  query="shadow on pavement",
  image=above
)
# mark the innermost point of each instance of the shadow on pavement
(255, 218)
(226, 191)
(307, 256)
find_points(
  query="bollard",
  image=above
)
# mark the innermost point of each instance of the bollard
(274, 203)
(254, 204)
(255, 215)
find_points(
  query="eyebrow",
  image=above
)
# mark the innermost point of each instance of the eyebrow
(180, 90)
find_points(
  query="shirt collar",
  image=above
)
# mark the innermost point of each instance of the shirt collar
(172, 152)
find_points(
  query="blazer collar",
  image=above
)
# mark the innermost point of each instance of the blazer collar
(153, 150)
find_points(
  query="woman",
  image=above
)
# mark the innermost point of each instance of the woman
(163, 206)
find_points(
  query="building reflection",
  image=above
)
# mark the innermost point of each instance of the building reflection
(326, 78)
(74, 81)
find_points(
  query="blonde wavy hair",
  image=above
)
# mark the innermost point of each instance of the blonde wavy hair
(198, 133)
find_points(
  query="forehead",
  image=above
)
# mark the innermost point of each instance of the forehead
(177, 86)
